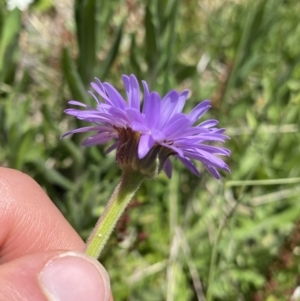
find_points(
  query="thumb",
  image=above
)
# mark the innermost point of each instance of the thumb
(54, 276)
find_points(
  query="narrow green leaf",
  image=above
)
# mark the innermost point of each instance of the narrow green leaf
(73, 79)
(9, 45)
(73, 149)
(183, 72)
(22, 148)
(251, 30)
(85, 17)
(54, 177)
(150, 39)
(24, 82)
(133, 58)
(161, 14)
(112, 53)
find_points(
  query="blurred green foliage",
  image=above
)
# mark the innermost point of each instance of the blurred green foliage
(187, 238)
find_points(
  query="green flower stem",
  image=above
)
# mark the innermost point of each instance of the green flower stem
(129, 184)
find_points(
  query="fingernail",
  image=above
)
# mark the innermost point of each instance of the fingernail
(74, 276)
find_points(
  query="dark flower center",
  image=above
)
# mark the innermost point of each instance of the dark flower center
(127, 154)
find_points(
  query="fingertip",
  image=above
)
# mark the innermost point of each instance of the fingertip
(86, 277)
(54, 275)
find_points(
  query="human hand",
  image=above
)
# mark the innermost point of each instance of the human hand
(41, 255)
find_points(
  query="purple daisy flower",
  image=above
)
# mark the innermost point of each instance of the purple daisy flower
(145, 139)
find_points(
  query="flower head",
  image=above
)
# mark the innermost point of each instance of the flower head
(146, 138)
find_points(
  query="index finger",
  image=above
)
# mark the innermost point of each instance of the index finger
(29, 221)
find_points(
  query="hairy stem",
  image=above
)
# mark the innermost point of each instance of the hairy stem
(129, 184)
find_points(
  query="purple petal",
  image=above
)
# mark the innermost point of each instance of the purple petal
(219, 131)
(208, 148)
(135, 93)
(213, 137)
(206, 158)
(215, 161)
(203, 137)
(168, 168)
(191, 133)
(208, 123)
(119, 116)
(173, 103)
(91, 116)
(168, 105)
(94, 96)
(75, 112)
(174, 148)
(77, 103)
(88, 129)
(196, 139)
(152, 110)
(145, 144)
(97, 139)
(115, 97)
(104, 107)
(125, 80)
(98, 87)
(158, 135)
(135, 116)
(176, 125)
(190, 165)
(139, 127)
(199, 110)
(112, 147)
(181, 101)
(132, 90)
(146, 94)
(215, 150)
(213, 172)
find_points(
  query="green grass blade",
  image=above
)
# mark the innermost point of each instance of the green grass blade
(9, 45)
(151, 51)
(112, 54)
(73, 79)
(85, 17)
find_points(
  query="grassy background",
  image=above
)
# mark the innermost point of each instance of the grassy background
(185, 238)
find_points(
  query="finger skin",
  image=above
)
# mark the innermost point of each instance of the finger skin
(19, 277)
(29, 221)
(22, 279)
